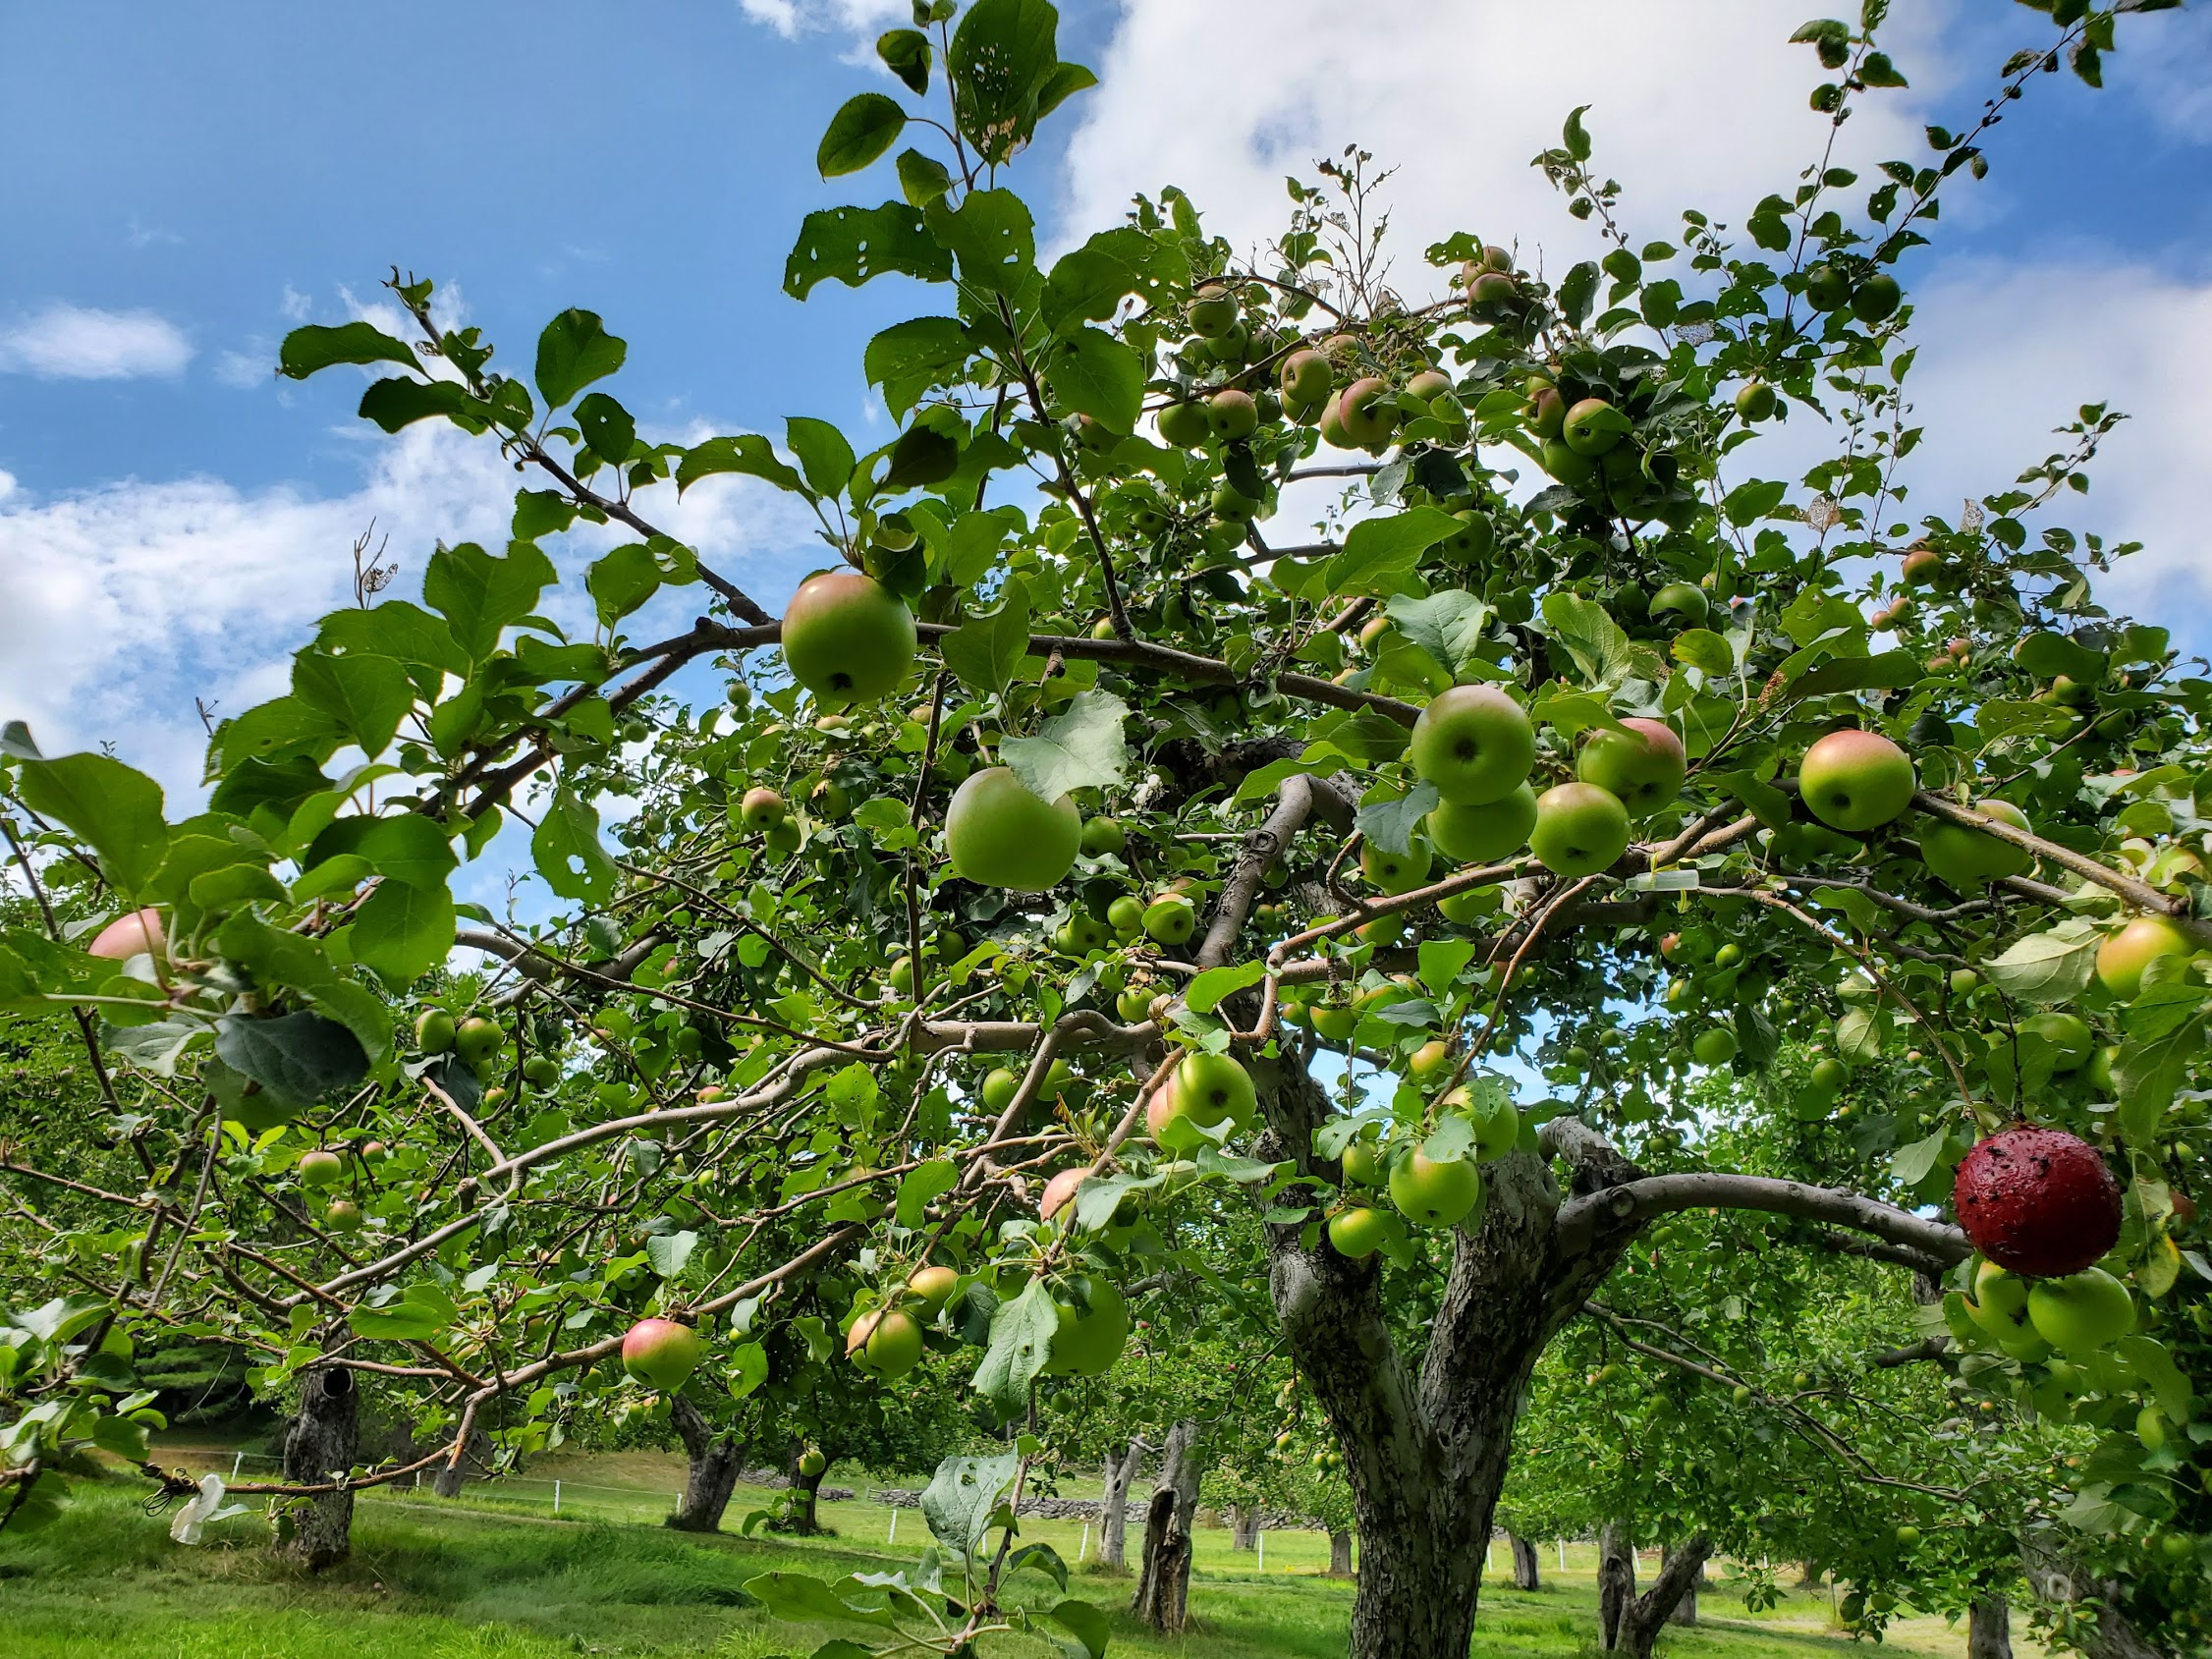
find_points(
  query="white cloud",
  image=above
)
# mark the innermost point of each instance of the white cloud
(242, 371)
(294, 307)
(67, 341)
(122, 604)
(788, 18)
(1692, 107)
(2164, 60)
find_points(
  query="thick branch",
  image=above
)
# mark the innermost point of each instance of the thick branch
(1632, 1206)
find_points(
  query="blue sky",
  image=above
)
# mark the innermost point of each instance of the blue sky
(190, 182)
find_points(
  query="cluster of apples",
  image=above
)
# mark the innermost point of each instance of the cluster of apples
(1431, 1193)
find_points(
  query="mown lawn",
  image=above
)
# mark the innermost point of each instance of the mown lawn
(432, 1581)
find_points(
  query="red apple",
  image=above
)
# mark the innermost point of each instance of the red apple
(136, 934)
(660, 1351)
(2038, 1201)
(1855, 781)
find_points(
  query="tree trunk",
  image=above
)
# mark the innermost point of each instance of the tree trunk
(1340, 1554)
(1163, 1583)
(711, 1465)
(2058, 1580)
(1525, 1563)
(1686, 1610)
(1810, 1576)
(319, 1445)
(1425, 1445)
(453, 1475)
(801, 1516)
(1244, 1528)
(1113, 1513)
(1616, 1586)
(1635, 1629)
(1989, 1627)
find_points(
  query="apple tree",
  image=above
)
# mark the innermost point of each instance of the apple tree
(1079, 852)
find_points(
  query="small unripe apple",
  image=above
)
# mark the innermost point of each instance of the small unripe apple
(761, 809)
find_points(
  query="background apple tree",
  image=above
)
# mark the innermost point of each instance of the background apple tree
(1087, 851)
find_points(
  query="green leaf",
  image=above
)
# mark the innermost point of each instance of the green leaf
(1589, 636)
(1390, 822)
(911, 357)
(991, 235)
(2048, 968)
(298, 1058)
(921, 1186)
(667, 1252)
(480, 595)
(857, 245)
(748, 454)
(1210, 989)
(575, 350)
(399, 401)
(419, 1313)
(622, 581)
(1752, 501)
(1093, 373)
(307, 350)
(921, 457)
(1913, 1164)
(609, 431)
(366, 695)
(1002, 65)
(985, 650)
(405, 847)
(1443, 961)
(277, 956)
(1380, 554)
(1703, 649)
(1082, 1620)
(905, 54)
(1088, 283)
(115, 809)
(568, 851)
(1859, 1038)
(822, 450)
(1080, 748)
(1577, 291)
(2148, 1070)
(922, 178)
(747, 1369)
(1887, 670)
(2047, 655)
(862, 128)
(394, 629)
(402, 932)
(1447, 625)
(965, 1492)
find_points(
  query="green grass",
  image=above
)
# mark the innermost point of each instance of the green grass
(464, 1580)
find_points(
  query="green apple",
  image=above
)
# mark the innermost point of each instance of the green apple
(1213, 310)
(1366, 412)
(1714, 1047)
(1103, 836)
(660, 1351)
(1171, 918)
(1875, 299)
(932, 1285)
(1827, 287)
(1547, 414)
(1643, 766)
(1232, 413)
(999, 1087)
(1755, 402)
(2081, 1313)
(1465, 910)
(321, 1168)
(761, 809)
(1430, 1063)
(1211, 1089)
(433, 1030)
(811, 1462)
(1830, 1075)
(1971, 858)
(1395, 873)
(2068, 1035)
(1855, 780)
(342, 1215)
(1332, 425)
(544, 1070)
(477, 1040)
(1473, 542)
(781, 839)
(1593, 426)
(1364, 1163)
(1307, 378)
(1682, 603)
(1231, 504)
(1126, 917)
(1433, 1192)
(1484, 834)
(1475, 744)
(1581, 829)
(1359, 1232)
(1185, 424)
(1000, 835)
(847, 638)
(885, 1343)
(1092, 1327)
(1134, 1005)
(1568, 465)
(1999, 1303)
(2123, 957)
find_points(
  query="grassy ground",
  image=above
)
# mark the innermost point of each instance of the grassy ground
(481, 1578)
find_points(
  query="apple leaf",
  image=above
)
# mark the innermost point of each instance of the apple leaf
(315, 347)
(1082, 1620)
(2148, 1070)
(2048, 968)
(1390, 822)
(862, 128)
(1701, 648)
(822, 450)
(277, 956)
(748, 454)
(1216, 986)
(857, 245)
(984, 650)
(479, 595)
(420, 1312)
(1021, 1331)
(1096, 374)
(609, 430)
(921, 1186)
(367, 696)
(573, 351)
(298, 1058)
(1591, 637)
(568, 851)
(1380, 554)
(115, 808)
(747, 1369)
(1859, 1038)
(1447, 625)
(909, 357)
(991, 236)
(669, 1251)
(1080, 748)
(1913, 1164)
(965, 1492)
(402, 931)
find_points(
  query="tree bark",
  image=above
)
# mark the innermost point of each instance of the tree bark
(1616, 1586)
(711, 1465)
(1989, 1627)
(454, 1475)
(1340, 1554)
(319, 1444)
(2058, 1580)
(1686, 1610)
(1637, 1626)
(1244, 1528)
(1112, 1513)
(1525, 1563)
(1810, 1576)
(1163, 1583)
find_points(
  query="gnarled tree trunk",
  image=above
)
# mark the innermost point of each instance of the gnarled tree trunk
(1340, 1554)
(1637, 1624)
(711, 1465)
(319, 1445)
(1163, 1583)
(1244, 1528)
(1112, 1513)
(2056, 1579)
(1525, 1563)
(1686, 1610)
(1989, 1627)
(453, 1475)
(1615, 1585)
